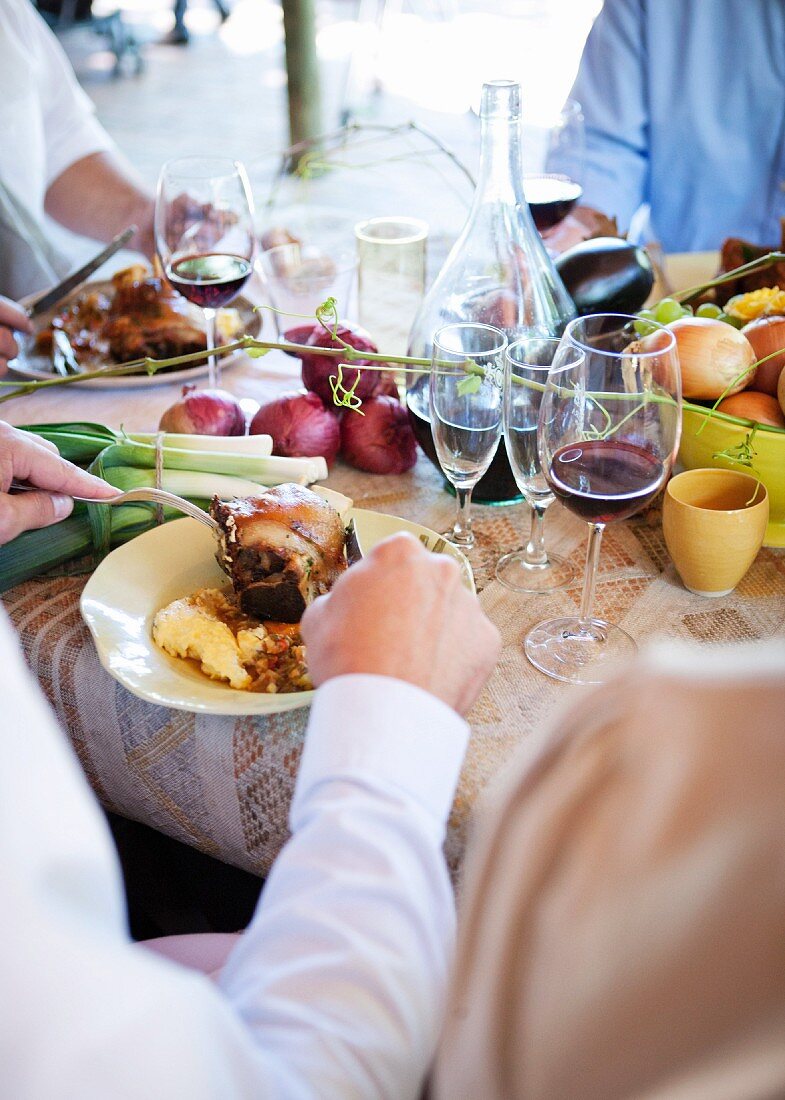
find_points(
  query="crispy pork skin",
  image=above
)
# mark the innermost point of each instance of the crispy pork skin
(281, 550)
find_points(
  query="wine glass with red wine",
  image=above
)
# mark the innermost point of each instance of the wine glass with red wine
(553, 192)
(204, 234)
(608, 433)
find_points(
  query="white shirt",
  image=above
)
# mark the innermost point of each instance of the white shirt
(47, 122)
(337, 987)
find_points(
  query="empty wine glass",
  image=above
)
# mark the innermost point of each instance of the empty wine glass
(526, 366)
(466, 411)
(609, 430)
(204, 234)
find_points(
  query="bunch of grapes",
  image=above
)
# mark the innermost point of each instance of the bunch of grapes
(668, 310)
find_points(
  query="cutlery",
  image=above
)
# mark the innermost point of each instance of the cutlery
(51, 297)
(63, 358)
(156, 496)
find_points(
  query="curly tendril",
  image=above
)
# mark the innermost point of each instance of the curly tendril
(343, 398)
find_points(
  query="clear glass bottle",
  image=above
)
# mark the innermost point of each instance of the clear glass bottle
(498, 271)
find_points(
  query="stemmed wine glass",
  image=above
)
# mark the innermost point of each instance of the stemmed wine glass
(609, 430)
(204, 234)
(557, 187)
(526, 367)
(466, 411)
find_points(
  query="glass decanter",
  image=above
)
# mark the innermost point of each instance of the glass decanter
(498, 271)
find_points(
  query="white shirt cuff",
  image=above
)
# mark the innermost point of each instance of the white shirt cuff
(382, 732)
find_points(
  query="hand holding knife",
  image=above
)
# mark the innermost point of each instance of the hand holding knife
(16, 318)
(51, 297)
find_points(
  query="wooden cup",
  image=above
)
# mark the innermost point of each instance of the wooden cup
(714, 522)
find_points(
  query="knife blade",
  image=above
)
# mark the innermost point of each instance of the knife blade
(57, 293)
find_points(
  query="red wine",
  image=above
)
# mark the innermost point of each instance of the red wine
(209, 280)
(604, 480)
(550, 198)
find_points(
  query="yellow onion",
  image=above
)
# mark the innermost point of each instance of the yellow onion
(767, 335)
(751, 405)
(781, 391)
(714, 357)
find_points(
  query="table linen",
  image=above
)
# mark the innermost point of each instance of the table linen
(225, 785)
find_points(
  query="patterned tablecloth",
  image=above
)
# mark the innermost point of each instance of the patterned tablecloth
(224, 784)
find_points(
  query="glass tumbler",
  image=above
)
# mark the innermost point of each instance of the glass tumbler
(391, 278)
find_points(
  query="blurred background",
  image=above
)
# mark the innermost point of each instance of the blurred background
(375, 63)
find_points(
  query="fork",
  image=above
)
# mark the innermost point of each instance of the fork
(156, 496)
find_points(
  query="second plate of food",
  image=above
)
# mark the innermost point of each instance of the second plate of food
(137, 580)
(135, 314)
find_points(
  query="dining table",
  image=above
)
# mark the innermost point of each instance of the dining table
(224, 784)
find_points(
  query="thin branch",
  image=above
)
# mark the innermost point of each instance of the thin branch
(760, 264)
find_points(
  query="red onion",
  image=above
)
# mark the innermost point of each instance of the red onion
(386, 386)
(204, 412)
(300, 426)
(382, 441)
(300, 334)
(318, 368)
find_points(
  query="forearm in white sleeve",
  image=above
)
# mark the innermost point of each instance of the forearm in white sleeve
(337, 986)
(345, 965)
(611, 88)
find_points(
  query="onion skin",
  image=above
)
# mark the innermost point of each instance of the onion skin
(751, 405)
(317, 369)
(381, 441)
(300, 334)
(300, 426)
(781, 391)
(714, 357)
(767, 334)
(204, 412)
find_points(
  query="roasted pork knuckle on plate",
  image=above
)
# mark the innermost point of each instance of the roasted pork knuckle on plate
(281, 550)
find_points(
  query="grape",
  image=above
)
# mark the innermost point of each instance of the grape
(708, 309)
(643, 326)
(668, 310)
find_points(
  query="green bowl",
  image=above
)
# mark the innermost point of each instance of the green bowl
(730, 443)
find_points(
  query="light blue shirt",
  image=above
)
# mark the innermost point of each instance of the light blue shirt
(684, 102)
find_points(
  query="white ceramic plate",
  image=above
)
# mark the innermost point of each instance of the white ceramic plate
(39, 367)
(135, 581)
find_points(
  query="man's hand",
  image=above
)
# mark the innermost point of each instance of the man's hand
(404, 612)
(583, 223)
(12, 319)
(25, 457)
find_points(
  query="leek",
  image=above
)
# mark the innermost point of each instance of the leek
(259, 445)
(264, 470)
(33, 552)
(193, 467)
